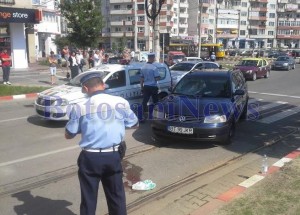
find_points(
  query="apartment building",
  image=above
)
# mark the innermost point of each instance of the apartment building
(48, 28)
(288, 23)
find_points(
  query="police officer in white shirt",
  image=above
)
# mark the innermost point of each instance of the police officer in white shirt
(149, 77)
(101, 121)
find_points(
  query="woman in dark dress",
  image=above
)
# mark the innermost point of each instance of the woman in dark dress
(74, 64)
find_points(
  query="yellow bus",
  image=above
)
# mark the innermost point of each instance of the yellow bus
(208, 48)
(191, 49)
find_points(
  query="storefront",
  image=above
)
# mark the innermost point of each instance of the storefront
(13, 36)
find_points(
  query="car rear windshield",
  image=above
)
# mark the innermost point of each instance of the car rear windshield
(185, 67)
(247, 63)
(282, 58)
(204, 86)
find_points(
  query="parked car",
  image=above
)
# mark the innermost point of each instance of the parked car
(203, 106)
(253, 68)
(120, 80)
(192, 59)
(180, 69)
(284, 62)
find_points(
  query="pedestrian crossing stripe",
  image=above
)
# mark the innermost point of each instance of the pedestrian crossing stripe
(255, 105)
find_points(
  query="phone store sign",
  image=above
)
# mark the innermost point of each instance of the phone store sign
(18, 15)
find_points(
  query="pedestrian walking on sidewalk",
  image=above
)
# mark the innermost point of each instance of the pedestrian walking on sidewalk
(6, 64)
(102, 130)
(53, 67)
(149, 77)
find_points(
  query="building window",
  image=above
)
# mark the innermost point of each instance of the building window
(272, 6)
(272, 15)
(129, 29)
(243, 13)
(129, 18)
(117, 7)
(34, 2)
(271, 23)
(141, 29)
(243, 22)
(211, 21)
(242, 32)
(210, 31)
(117, 29)
(129, 6)
(141, 7)
(211, 11)
(270, 32)
(141, 18)
(244, 4)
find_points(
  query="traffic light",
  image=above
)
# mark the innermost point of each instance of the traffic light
(164, 39)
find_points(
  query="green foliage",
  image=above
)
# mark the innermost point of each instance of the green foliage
(61, 42)
(85, 19)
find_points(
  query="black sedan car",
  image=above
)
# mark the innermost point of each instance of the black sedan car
(284, 62)
(203, 106)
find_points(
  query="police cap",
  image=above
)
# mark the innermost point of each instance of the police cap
(151, 55)
(89, 76)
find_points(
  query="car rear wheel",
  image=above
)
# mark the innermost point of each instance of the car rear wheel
(254, 76)
(267, 75)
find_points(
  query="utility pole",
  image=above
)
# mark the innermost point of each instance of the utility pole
(199, 18)
(153, 8)
(135, 27)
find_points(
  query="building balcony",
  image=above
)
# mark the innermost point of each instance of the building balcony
(116, 23)
(261, 9)
(7, 2)
(121, 1)
(183, 25)
(170, 24)
(140, 1)
(226, 26)
(117, 34)
(263, 1)
(107, 34)
(288, 36)
(288, 27)
(206, 15)
(226, 35)
(170, 13)
(183, 15)
(140, 23)
(183, 5)
(128, 23)
(163, 13)
(129, 34)
(121, 12)
(169, 2)
(260, 18)
(141, 34)
(140, 12)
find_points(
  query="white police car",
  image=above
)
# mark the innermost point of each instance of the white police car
(120, 80)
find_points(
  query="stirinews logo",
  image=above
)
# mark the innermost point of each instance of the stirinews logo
(6, 15)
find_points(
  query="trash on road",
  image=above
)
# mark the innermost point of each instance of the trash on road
(144, 185)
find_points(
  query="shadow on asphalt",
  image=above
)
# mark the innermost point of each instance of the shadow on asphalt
(35, 205)
(38, 121)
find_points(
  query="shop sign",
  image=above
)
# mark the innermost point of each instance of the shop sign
(17, 15)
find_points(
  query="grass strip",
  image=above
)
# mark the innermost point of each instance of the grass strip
(6, 90)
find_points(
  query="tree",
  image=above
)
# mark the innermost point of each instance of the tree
(62, 41)
(85, 19)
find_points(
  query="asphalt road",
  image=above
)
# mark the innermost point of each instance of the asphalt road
(38, 166)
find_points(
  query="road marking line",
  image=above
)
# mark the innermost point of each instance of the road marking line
(274, 94)
(251, 181)
(279, 116)
(282, 161)
(13, 119)
(38, 156)
(269, 106)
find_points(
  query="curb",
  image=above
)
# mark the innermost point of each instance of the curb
(23, 96)
(232, 193)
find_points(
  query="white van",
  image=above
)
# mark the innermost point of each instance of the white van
(120, 80)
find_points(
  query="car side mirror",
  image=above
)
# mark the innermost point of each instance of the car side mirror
(239, 92)
(220, 67)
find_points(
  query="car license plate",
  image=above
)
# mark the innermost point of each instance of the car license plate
(180, 130)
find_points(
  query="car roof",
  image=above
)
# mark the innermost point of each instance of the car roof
(118, 67)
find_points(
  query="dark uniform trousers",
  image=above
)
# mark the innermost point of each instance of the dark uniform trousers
(149, 91)
(105, 167)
